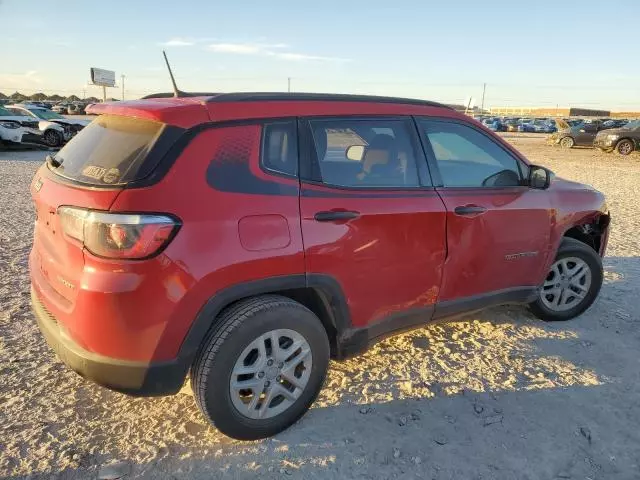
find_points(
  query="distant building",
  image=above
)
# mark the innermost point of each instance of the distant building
(560, 112)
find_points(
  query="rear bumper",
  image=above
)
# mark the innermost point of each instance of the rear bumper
(133, 378)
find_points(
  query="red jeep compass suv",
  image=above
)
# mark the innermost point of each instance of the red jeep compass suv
(244, 239)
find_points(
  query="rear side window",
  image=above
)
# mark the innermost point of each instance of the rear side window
(365, 153)
(280, 147)
(111, 150)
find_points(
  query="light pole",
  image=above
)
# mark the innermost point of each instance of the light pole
(484, 89)
(122, 77)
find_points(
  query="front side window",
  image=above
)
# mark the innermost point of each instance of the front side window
(365, 153)
(468, 158)
(280, 147)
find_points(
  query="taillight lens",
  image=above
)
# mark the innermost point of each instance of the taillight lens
(118, 235)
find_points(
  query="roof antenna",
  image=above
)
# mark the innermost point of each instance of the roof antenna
(176, 92)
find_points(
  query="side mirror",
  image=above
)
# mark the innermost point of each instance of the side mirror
(355, 153)
(539, 177)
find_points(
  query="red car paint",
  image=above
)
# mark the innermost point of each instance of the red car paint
(407, 250)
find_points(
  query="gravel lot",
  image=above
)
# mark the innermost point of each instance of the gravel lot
(496, 395)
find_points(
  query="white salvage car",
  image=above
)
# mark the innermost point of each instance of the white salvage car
(19, 126)
(56, 129)
(10, 133)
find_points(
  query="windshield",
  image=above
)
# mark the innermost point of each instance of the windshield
(632, 125)
(45, 114)
(6, 113)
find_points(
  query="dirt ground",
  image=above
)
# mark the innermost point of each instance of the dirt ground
(495, 395)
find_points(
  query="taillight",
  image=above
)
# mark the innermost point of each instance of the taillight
(118, 235)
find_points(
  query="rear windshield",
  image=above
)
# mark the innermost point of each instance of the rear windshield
(111, 150)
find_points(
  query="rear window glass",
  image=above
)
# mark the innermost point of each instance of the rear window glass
(279, 148)
(111, 150)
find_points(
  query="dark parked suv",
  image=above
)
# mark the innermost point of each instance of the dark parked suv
(623, 140)
(246, 239)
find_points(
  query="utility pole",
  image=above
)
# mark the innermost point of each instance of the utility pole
(484, 89)
(288, 84)
(122, 77)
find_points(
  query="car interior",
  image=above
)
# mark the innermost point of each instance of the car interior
(385, 155)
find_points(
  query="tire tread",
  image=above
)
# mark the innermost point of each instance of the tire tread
(228, 321)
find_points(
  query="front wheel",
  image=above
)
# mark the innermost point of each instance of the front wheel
(572, 284)
(52, 138)
(625, 147)
(261, 368)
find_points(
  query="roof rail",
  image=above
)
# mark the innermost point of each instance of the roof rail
(327, 97)
(182, 94)
(300, 97)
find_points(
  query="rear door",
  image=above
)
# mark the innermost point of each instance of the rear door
(371, 219)
(585, 134)
(498, 230)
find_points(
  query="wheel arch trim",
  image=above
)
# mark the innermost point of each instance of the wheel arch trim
(327, 286)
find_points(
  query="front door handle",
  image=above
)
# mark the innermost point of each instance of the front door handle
(469, 210)
(332, 216)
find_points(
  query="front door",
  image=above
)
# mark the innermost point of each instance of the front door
(498, 229)
(371, 219)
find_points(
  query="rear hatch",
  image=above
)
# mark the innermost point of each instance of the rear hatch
(562, 126)
(89, 172)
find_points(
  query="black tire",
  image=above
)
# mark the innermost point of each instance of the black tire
(567, 142)
(573, 248)
(625, 147)
(52, 138)
(234, 330)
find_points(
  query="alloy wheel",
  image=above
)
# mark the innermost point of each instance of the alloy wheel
(270, 374)
(625, 147)
(51, 138)
(567, 284)
(567, 142)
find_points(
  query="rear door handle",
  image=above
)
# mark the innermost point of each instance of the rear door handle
(469, 210)
(332, 216)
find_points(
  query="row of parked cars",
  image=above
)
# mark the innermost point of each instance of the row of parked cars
(609, 136)
(518, 124)
(33, 124)
(542, 124)
(64, 107)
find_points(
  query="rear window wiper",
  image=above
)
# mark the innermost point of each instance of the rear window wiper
(53, 162)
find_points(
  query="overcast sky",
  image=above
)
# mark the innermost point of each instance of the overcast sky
(530, 53)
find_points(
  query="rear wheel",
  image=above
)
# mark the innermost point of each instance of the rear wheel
(567, 142)
(625, 147)
(261, 368)
(572, 284)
